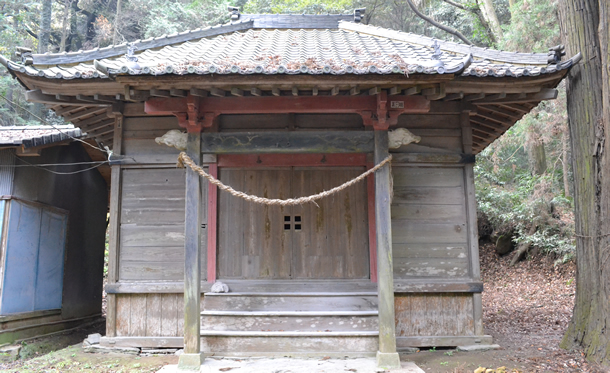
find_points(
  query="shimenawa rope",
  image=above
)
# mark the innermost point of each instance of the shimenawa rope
(184, 159)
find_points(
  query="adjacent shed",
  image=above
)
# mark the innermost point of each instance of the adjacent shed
(282, 106)
(52, 223)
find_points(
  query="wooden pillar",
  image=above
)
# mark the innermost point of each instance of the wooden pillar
(114, 226)
(192, 358)
(471, 216)
(387, 357)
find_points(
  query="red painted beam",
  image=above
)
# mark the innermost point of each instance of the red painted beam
(377, 110)
(287, 104)
(289, 160)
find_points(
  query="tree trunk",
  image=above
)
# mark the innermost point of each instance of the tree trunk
(535, 152)
(492, 18)
(65, 25)
(565, 139)
(44, 34)
(117, 21)
(584, 28)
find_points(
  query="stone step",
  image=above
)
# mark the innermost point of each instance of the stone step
(362, 301)
(285, 343)
(290, 321)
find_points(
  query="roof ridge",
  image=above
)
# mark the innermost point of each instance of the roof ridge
(485, 53)
(157, 42)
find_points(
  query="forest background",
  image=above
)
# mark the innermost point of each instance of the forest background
(523, 180)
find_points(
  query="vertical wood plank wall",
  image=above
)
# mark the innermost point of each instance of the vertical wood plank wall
(430, 235)
(430, 226)
(151, 230)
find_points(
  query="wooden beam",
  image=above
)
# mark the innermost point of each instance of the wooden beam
(255, 92)
(429, 91)
(295, 91)
(515, 107)
(441, 93)
(288, 104)
(374, 91)
(412, 91)
(192, 357)
(544, 94)
(104, 98)
(178, 92)
(114, 225)
(454, 96)
(499, 110)
(89, 121)
(474, 97)
(159, 93)
(431, 286)
(496, 96)
(287, 142)
(276, 92)
(431, 158)
(396, 90)
(84, 113)
(486, 131)
(98, 125)
(237, 92)
(217, 92)
(491, 117)
(387, 357)
(212, 224)
(291, 160)
(38, 96)
(314, 91)
(354, 91)
(198, 92)
(334, 91)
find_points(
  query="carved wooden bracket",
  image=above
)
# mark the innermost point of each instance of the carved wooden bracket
(195, 113)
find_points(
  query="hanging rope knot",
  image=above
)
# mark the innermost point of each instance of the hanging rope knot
(185, 160)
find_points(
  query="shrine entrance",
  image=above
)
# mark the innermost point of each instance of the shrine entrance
(328, 241)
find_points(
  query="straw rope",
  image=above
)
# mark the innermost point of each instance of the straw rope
(184, 159)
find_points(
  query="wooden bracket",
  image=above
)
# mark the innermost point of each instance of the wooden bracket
(195, 113)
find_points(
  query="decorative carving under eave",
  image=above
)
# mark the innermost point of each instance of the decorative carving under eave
(400, 137)
(175, 138)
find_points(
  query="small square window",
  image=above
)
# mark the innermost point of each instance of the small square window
(297, 227)
(297, 218)
(286, 227)
(287, 218)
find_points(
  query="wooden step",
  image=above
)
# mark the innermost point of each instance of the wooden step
(272, 343)
(362, 301)
(290, 321)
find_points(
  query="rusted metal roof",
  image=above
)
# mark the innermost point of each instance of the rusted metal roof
(244, 47)
(31, 136)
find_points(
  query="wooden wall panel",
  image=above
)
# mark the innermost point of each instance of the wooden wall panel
(443, 314)
(152, 225)
(438, 133)
(429, 225)
(139, 144)
(274, 122)
(150, 315)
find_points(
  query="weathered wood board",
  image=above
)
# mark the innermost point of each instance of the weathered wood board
(442, 314)
(150, 315)
(329, 241)
(287, 142)
(429, 225)
(152, 225)
(271, 122)
(139, 144)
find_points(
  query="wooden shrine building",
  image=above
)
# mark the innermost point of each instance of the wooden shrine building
(282, 106)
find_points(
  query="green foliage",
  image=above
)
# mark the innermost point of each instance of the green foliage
(298, 6)
(534, 26)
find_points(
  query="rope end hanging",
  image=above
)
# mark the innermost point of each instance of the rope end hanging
(180, 163)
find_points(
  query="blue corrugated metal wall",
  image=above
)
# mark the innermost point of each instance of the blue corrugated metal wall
(33, 272)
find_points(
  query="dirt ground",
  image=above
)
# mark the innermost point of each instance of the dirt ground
(526, 310)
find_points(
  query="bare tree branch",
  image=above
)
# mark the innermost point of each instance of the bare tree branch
(448, 29)
(476, 10)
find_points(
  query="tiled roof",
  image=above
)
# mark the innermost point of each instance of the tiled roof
(351, 48)
(30, 136)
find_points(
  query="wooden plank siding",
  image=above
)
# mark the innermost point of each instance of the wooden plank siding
(441, 314)
(150, 315)
(429, 226)
(439, 133)
(139, 135)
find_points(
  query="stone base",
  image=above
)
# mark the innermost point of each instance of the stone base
(190, 362)
(388, 360)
